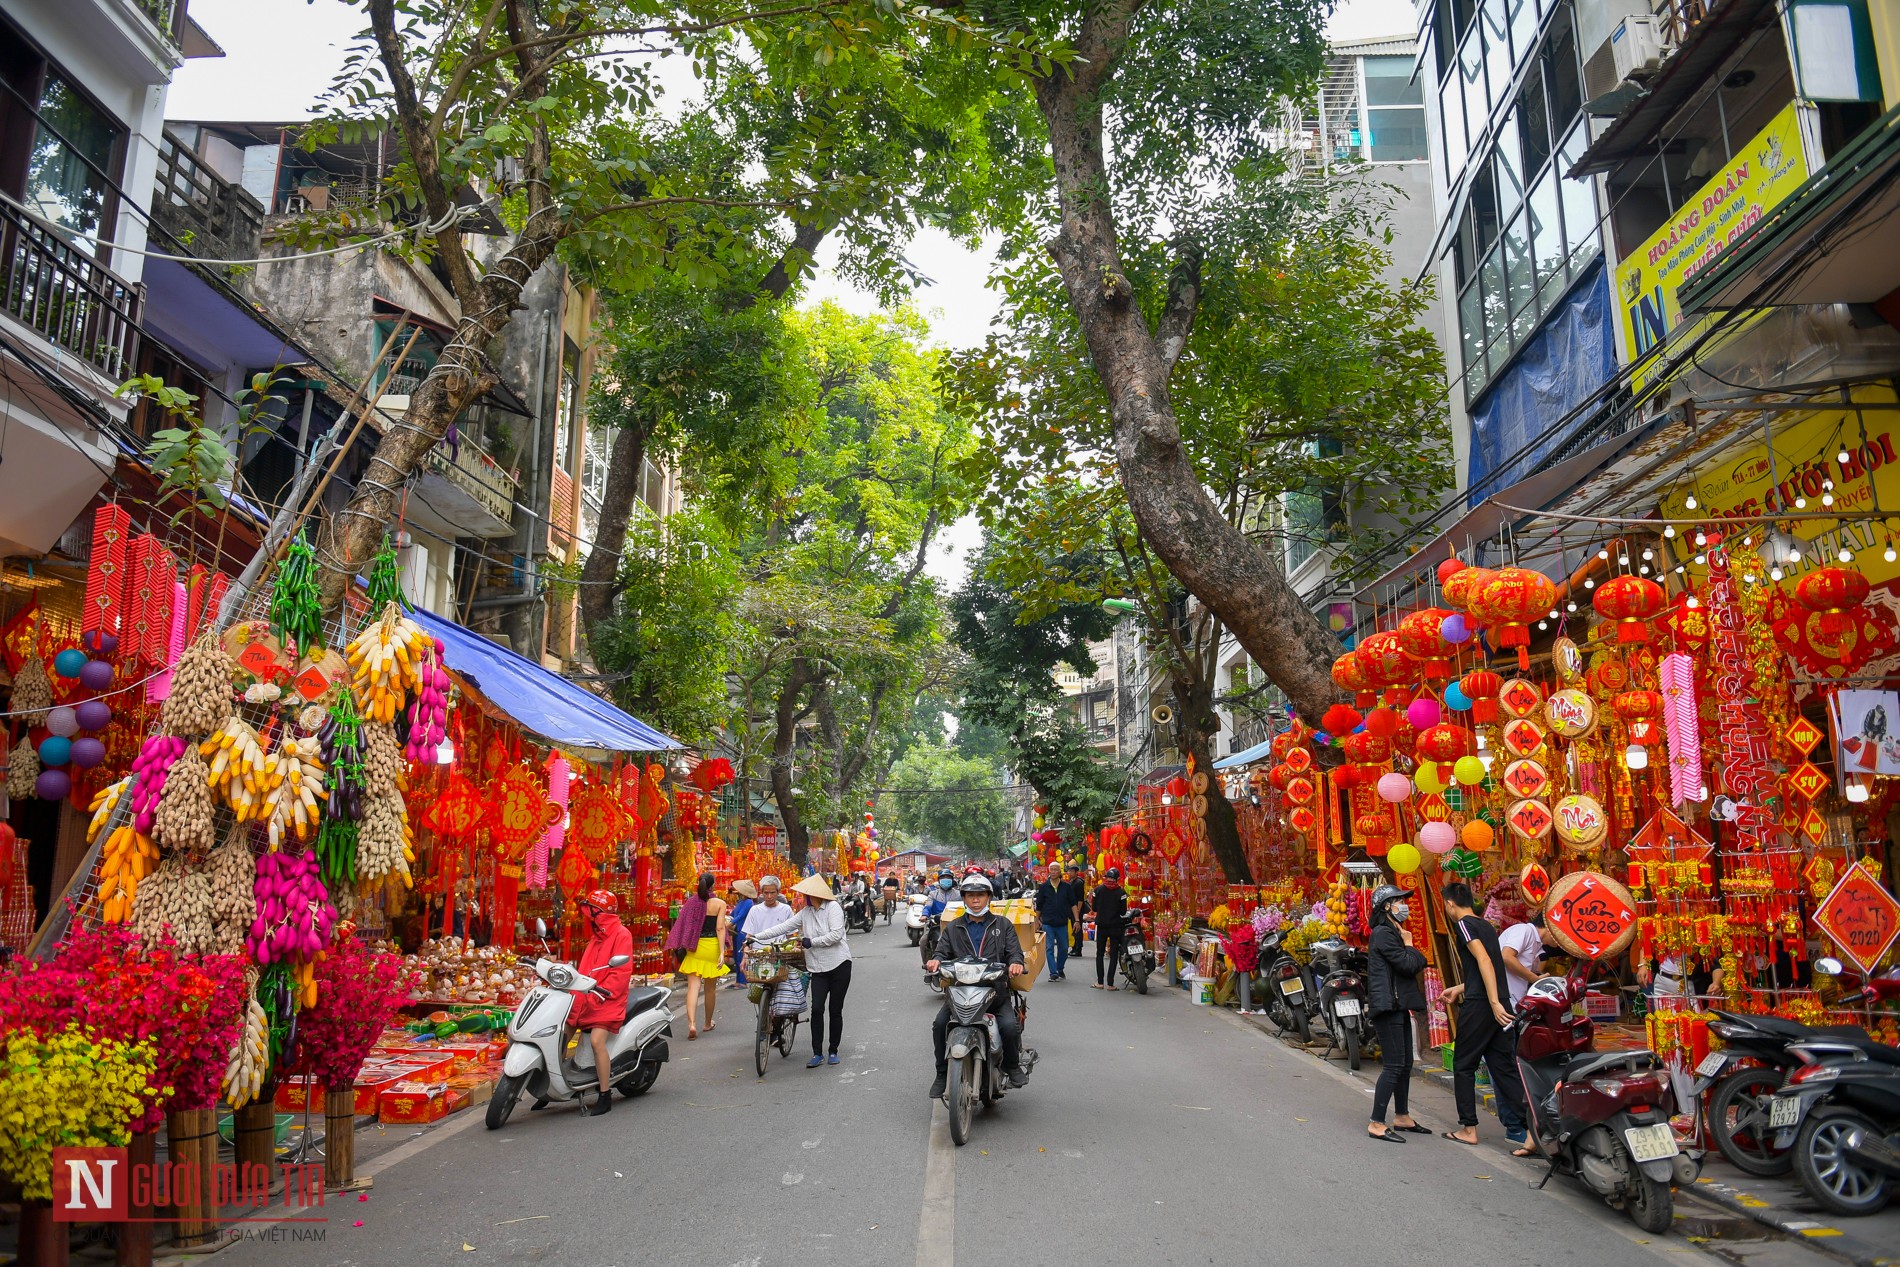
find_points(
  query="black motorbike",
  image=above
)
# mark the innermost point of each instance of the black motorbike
(1839, 1115)
(1343, 1003)
(974, 1045)
(1741, 1081)
(1138, 960)
(860, 915)
(1290, 996)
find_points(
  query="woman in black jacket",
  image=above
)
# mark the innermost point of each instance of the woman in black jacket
(1393, 993)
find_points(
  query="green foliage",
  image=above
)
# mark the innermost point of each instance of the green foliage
(959, 806)
(189, 457)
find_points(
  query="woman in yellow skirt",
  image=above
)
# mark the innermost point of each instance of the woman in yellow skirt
(699, 942)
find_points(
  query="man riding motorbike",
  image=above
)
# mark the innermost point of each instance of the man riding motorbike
(602, 1010)
(980, 934)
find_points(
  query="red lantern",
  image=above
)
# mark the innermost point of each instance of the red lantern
(1832, 591)
(1639, 709)
(1383, 722)
(1366, 748)
(1340, 719)
(1631, 601)
(1445, 742)
(1423, 643)
(1177, 787)
(1481, 687)
(1349, 674)
(1463, 587)
(1385, 662)
(1450, 568)
(1279, 775)
(1372, 826)
(1509, 602)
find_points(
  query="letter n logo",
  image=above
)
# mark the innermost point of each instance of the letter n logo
(1649, 320)
(89, 1185)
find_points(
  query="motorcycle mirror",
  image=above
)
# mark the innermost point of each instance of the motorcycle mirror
(540, 927)
(1827, 966)
(619, 960)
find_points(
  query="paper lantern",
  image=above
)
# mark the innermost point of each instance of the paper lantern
(1477, 835)
(1422, 712)
(1639, 709)
(1366, 749)
(52, 785)
(1468, 770)
(99, 642)
(1422, 639)
(1444, 742)
(68, 662)
(1456, 700)
(1482, 687)
(96, 675)
(63, 722)
(1394, 787)
(1340, 718)
(1403, 858)
(1383, 722)
(1371, 827)
(1461, 588)
(1631, 601)
(1427, 779)
(93, 714)
(1437, 838)
(1455, 629)
(1450, 568)
(1509, 602)
(1177, 787)
(1832, 591)
(1349, 674)
(56, 750)
(87, 752)
(1384, 661)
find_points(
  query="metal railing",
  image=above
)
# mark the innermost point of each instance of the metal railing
(66, 296)
(1676, 18)
(165, 15)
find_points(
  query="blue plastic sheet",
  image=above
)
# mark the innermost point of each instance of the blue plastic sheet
(1254, 753)
(543, 702)
(1515, 426)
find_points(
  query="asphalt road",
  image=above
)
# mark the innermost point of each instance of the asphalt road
(1153, 1132)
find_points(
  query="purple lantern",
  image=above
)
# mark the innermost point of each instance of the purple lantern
(96, 676)
(99, 642)
(52, 785)
(1454, 630)
(93, 714)
(88, 752)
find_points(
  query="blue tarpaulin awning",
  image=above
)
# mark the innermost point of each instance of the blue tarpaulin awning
(1254, 753)
(543, 702)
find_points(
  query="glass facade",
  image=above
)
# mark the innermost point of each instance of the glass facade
(1510, 101)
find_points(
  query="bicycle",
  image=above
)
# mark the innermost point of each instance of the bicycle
(769, 968)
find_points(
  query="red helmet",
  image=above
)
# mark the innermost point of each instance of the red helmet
(601, 900)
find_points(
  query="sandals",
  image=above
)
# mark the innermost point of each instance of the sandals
(1414, 1128)
(1527, 1150)
(1386, 1136)
(1455, 1138)
(691, 1033)
(1099, 986)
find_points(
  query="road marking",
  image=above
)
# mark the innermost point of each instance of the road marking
(937, 1223)
(788, 1179)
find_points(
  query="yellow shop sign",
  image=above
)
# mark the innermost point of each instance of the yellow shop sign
(1763, 172)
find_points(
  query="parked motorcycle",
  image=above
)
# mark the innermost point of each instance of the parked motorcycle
(1741, 1081)
(915, 921)
(1138, 960)
(859, 915)
(535, 1061)
(1838, 1114)
(974, 1045)
(1289, 992)
(1602, 1116)
(1343, 1002)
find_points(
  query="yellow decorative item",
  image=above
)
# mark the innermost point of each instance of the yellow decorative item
(72, 1088)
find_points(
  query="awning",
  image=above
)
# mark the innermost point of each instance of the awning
(545, 703)
(1246, 756)
(211, 327)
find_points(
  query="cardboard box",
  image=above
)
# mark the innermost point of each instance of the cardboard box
(425, 1066)
(455, 1099)
(370, 1085)
(467, 1056)
(411, 1103)
(480, 1086)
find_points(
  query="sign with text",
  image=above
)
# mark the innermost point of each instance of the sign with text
(1590, 915)
(1860, 917)
(1764, 171)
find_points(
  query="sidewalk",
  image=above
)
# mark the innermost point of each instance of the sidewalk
(1779, 1203)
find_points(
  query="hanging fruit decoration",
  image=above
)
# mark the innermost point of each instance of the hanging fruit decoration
(1509, 602)
(296, 600)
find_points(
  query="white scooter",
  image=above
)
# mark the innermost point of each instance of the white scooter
(535, 1063)
(914, 921)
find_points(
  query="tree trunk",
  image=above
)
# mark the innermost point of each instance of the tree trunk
(1237, 578)
(1194, 710)
(786, 716)
(624, 466)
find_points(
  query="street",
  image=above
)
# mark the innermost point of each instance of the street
(1152, 1132)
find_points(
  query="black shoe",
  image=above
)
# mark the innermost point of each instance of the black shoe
(1017, 1078)
(541, 1102)
(603, 1103)
(938, 1087)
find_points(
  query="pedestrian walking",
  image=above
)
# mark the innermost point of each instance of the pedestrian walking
(819, 928)
(1392, 997)
(1080, 916)
(1055, 907)
(699, 944)
(1110, 906)
(744, 896)
(1484, 1024)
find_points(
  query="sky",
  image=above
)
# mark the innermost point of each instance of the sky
(254, 81)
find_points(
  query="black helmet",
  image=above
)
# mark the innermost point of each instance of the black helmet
(1386, 894)
(1113, 873)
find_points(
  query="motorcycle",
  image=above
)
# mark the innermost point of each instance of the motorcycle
(1741, 1081)
(537, 1031)
(859, 915)
(1839, 1114)
(1138, 961)
(974, 1045)
(1603, 1116)
(915, 922)
(1288, 992)
(1343, 1001)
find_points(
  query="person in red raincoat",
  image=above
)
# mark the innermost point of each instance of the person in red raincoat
(602, 1010)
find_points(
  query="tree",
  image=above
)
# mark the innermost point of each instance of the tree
(554, 106)
(952, 803)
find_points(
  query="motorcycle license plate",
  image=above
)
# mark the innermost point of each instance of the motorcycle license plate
(1291, 988)
(1651, 1143)
(1346, 1007)
(1784, 1111)
(1711, 1065)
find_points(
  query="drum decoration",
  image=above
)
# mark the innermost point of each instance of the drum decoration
(1519, 697)
(1571, 713)
(1580, 822)
(1567, 659)
(1590, 916)
(1523, 737)
(1529, 819)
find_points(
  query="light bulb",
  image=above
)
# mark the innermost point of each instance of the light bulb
(1543, 624)
(1827, 499)
(1748, 578)
(1570, 607)
(1643, 570)
(1622, 560)
(1678, 569)
(1692, 602)
(1701, 792)
(1690, 501)
(1701, 538)
(1856, 791)
(1827, 486)
(1553, 613)
(1701, 559)
(1648, 555)
(1636, 757)
(1775, 574)
(1800, 503)
(1487, 759)
(1841, 457)
(1481, 741)
(445, 753)
(1166, 799)
(1670, 531)
(1846, 555)
(1794, 554)
(1603, 553)
(1589, 582)
(1890, 556)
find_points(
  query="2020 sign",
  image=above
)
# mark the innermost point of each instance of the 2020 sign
(1590, 915)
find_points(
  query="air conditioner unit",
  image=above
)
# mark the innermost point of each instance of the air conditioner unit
(1637, 47)
(1614, 76)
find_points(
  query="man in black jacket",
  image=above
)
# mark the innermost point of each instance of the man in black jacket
(1110, 905)
(980, 934)
(1055, 907)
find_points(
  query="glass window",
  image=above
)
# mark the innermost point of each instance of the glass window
(1454, 134)
(1563, 78)
(1523, 23)
(1497, 316)
(1510, 176)
(566, 408)
(1484, 209)
(1471, 71)
(72, 145)
(1547, 233)
(1497, 48)
(1389, 82)
(1579, 198)
(1471, 326)
(1397, 135)
(1520, 285)
(1533, 121)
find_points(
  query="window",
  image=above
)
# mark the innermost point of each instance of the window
(1533, 119)
(1484, 210)
(1563, 74)
(73, 146)
(1471, 72)
(1453, 104)
(1548, 254)
(1314, 514)
(1520, 285)
(1580, 199)
(597, 452)
(1395, 110)
(1510, 174)
(567, 408)
(1497, 50)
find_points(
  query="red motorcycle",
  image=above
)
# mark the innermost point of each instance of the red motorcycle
(1601, 1116)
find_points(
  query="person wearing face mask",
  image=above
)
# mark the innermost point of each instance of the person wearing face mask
(602, 1010)
(1393, 994)
(985, 935)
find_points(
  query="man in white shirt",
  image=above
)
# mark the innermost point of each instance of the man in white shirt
(769, 911)
(1523, 947)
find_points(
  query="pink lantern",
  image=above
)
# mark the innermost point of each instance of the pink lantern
(1422, 712)
(1437, 838)
(1394, 787)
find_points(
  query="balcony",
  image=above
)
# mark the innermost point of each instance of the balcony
(215, 218)
(469, 490)
(66, 297)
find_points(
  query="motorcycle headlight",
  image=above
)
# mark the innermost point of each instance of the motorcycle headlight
(560, 976)
(970, 973)
(546, 1030)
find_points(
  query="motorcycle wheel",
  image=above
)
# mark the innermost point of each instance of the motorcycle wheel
(502, 1102)
(962, 1097)
(762, 1038)
(915, 935)
(1349, 1035)
(1300, 1026)
(1738, 1119)
(1831, 1177)
(640, 1081)
(1651, 1205)
(1139, 975)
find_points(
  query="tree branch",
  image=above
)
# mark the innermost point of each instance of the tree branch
(1184, 301)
